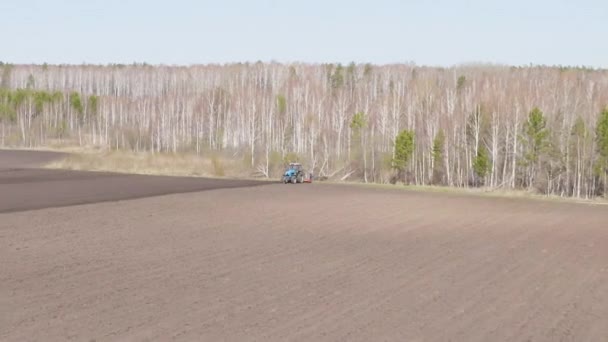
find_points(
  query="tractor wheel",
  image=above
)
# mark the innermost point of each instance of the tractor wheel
(294, 180)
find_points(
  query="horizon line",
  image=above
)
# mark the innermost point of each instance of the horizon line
(317, 63)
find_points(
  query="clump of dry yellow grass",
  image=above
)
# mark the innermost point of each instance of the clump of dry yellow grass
(178, 164)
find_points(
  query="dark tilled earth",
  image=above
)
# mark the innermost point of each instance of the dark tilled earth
(306, 262)
(23, 186)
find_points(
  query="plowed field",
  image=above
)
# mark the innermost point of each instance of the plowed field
(306, 262)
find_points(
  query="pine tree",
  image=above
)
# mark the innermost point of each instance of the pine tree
(404, 148)
(536, 134)
(76, 103)
(580, 137)
(481, 165)
(357, 124)
(601, 134)
(536, 139)
(438, 167)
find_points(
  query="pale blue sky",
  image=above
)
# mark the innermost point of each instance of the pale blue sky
(434, 32)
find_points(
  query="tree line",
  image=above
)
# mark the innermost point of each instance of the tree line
(537, 128)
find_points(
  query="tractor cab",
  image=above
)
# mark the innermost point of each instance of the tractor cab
(295, 167)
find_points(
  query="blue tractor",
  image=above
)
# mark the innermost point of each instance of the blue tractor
(294, 174)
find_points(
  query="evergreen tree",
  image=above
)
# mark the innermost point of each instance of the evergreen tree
(481, 165)
(601, 135)
(7, 110)
(76, 103)
(601, 132)
(536, 135)
(404, 148)
(40, 99)
(460, 83)
(357, 124)
(438, 148)
(580, 138)
(536, 141)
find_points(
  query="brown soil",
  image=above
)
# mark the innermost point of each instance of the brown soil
(25, 187)
(307, 262)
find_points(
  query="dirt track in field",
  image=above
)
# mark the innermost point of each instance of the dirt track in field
(305, 263)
